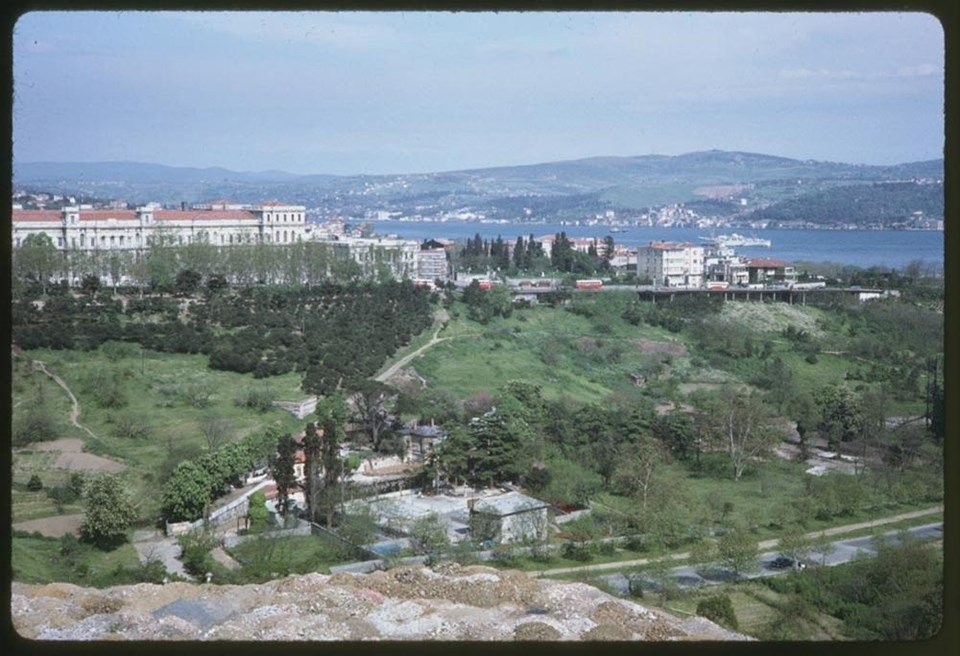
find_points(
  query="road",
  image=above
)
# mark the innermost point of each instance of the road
(766, 544)
(843, 551)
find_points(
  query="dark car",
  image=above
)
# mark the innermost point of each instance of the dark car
(781, 562)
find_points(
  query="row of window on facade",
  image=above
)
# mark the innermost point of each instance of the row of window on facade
(122, 241)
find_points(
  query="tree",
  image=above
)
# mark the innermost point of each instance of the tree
(638, 462)
(738, 423)
(719, 609)
(215, 430)
(187, 492)
(332, 413)
(108, 513)
(257, 511)
(431, 534)
(187, 283)
(738, 551)
(793, 543)
(90, 284)
(37, 258)
(281, 469)
(370, 411)
(35, 484)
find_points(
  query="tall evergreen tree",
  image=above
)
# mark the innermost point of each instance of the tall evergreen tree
(281, 468)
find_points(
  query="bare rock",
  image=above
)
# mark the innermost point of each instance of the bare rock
(450, 602)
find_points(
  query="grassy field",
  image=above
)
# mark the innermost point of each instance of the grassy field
(40, 560)
(169, 396)
(563, 352)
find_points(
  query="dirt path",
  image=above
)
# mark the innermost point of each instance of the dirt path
(766, 544)
(75, 409)
(441, 317)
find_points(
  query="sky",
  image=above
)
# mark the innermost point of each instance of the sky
(409, 92)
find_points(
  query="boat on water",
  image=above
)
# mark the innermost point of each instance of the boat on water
(733, 239)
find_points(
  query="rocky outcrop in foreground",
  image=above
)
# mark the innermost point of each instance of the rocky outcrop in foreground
(448, 602)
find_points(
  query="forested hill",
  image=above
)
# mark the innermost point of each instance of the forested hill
(888, 204)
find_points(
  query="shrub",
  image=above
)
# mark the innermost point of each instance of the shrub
(131, 426)
(196, 547)
(719, 609)
(576, 551)
(34, 484)
(37, 426)
(259, 398)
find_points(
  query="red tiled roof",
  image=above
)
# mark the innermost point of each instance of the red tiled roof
(36, 215)
(766, 263)
(202, 215)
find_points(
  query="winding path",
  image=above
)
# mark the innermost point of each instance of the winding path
(75, 409)
(441, 317)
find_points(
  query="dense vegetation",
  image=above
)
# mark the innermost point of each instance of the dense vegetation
(334, 335)
(895, 596)
(885, 204)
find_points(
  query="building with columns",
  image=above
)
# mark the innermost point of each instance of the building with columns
(82, 228)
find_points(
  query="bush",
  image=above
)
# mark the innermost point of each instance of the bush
(719, 609)
(37, 426)
(196, 547)
(131, 426)
(34, 484)
(258, 398)
(576, 551)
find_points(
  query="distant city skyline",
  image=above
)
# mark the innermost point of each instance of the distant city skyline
(412, 92)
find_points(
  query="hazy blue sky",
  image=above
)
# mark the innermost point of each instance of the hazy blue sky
(414, 92)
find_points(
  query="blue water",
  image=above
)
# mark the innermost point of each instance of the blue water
(863, 248)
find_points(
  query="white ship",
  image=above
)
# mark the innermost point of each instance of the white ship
(733, 239)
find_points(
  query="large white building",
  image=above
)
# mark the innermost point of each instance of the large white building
(432, 264)
(81, 228)
(373, 254)
(671, 264)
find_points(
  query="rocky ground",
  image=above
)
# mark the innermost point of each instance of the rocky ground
(448, 602)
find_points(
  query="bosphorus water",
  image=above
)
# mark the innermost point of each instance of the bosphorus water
(862, 248)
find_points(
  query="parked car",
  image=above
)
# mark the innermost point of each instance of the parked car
(781, 562)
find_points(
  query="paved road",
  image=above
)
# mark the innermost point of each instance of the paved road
(153, 545)
(766, 544)
(695, 576)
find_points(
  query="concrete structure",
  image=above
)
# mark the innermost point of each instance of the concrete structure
(671, 264)
(510, 517)
(766, 270)
(82, 228)
(373, 254)
(432, 264)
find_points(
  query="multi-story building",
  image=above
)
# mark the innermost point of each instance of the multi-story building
(399, 256)
(671, 264)
(432, 264)
(767, 270)
(82, 228)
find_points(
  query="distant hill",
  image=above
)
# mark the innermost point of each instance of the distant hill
(878, 203)
(136, 172)
(544, 191)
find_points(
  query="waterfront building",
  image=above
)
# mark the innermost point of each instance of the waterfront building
(671, 264)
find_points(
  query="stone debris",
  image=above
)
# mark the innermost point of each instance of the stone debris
(450, 602)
